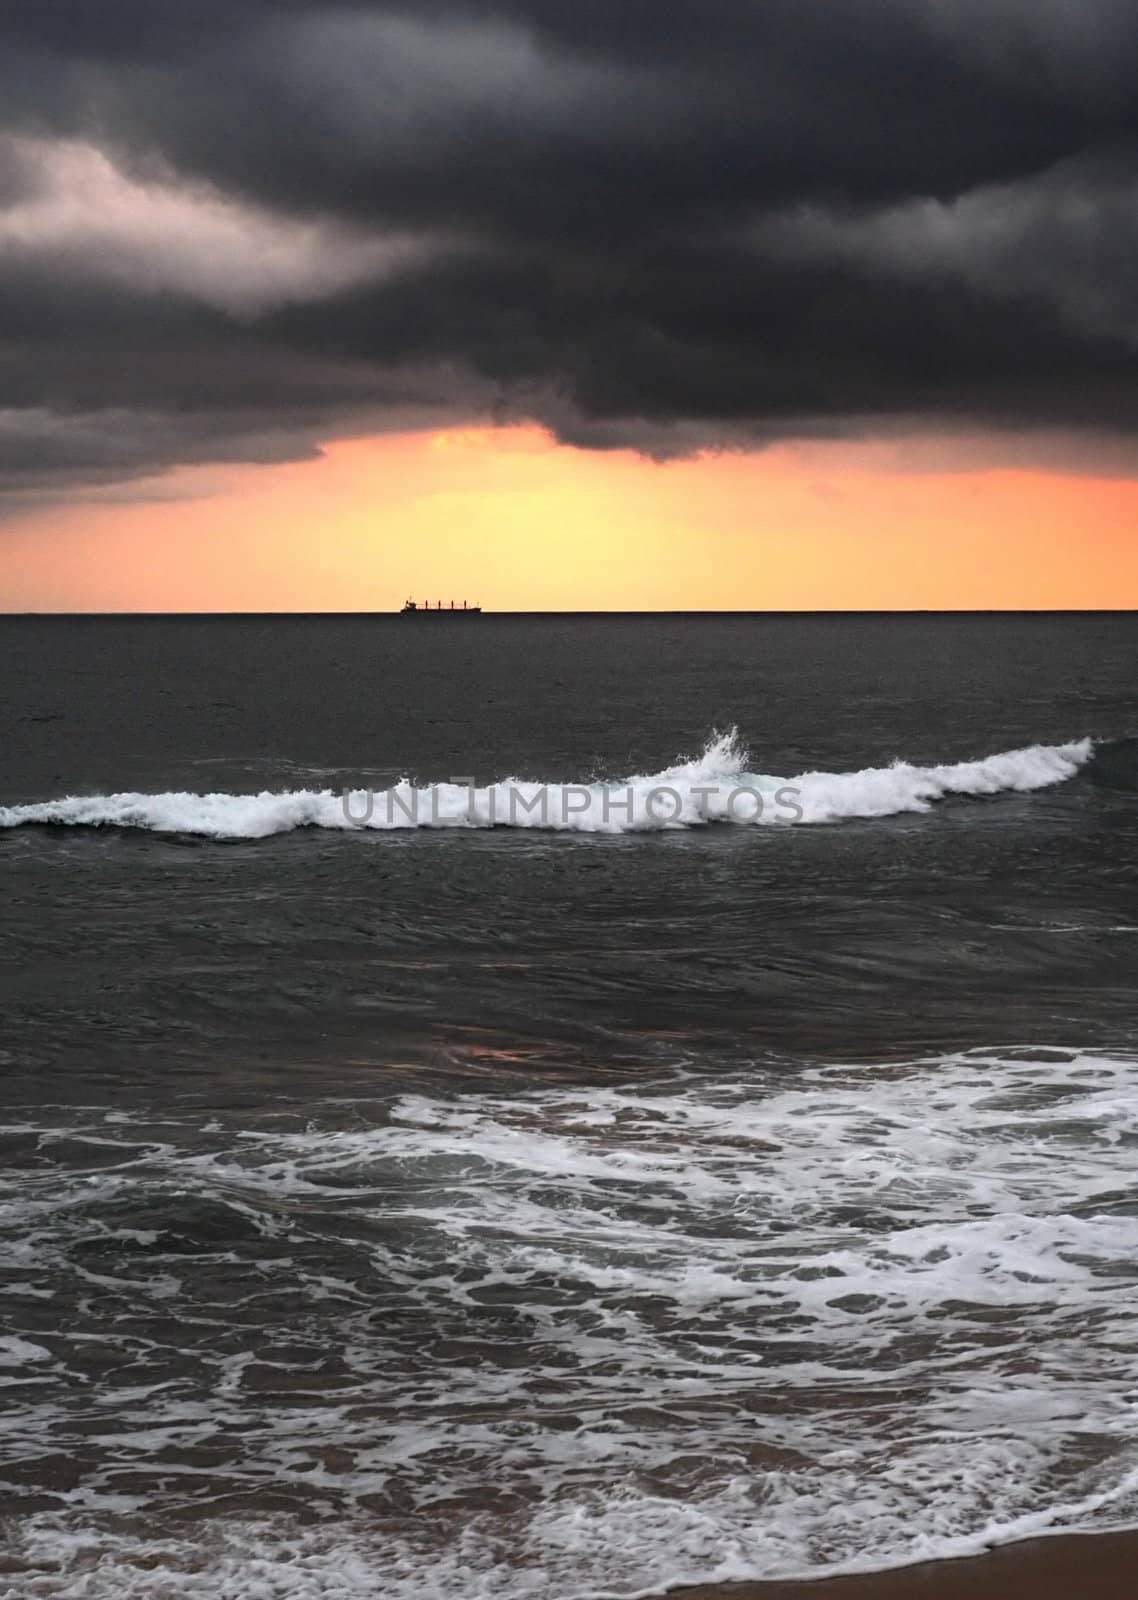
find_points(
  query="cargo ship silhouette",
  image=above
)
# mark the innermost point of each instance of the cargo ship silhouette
(413, 609)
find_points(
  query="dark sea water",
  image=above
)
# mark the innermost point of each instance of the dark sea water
(650, 1191)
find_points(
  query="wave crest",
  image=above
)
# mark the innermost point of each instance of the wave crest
(715, 786)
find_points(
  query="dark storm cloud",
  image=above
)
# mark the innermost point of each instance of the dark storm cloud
(228, 230)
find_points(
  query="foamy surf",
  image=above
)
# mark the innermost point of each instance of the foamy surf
(715, 787)
(583, 1341)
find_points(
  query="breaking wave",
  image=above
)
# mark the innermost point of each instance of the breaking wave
(717, 786)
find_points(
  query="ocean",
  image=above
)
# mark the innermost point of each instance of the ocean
(562, 1106)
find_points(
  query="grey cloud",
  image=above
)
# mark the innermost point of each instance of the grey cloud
(78, 216)
(667, 226)
(1066, 238)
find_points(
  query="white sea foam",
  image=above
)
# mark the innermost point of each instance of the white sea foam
(595, 1341)
(716, 787)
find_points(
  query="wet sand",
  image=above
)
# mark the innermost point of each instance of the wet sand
(1073, 1567)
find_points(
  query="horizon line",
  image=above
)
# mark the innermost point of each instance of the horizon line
(372, 616)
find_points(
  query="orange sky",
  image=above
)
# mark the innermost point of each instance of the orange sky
(513, 521)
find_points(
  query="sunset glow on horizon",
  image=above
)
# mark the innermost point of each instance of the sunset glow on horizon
(511, 520)
(770, 308)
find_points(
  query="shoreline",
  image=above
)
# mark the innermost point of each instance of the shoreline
(1069, 1566)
